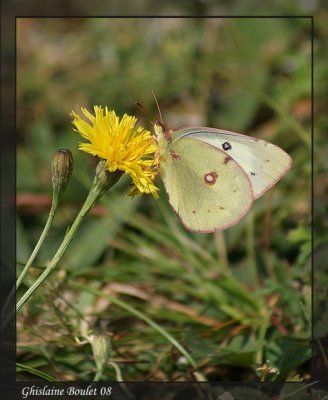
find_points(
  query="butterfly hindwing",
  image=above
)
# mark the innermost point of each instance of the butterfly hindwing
(206, 187)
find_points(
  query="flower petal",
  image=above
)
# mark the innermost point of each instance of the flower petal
(127, 148)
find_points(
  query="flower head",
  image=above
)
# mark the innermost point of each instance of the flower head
(123, 146)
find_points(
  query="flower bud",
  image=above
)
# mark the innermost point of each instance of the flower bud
(101, 348)
(61, 168)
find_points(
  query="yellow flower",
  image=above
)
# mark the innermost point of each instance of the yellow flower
(122, 145)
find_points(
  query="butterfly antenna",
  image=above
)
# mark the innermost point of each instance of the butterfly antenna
(141, 106)
(146, 111)
(159, 110)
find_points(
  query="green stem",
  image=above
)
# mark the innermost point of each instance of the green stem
(61, 170)
(98, 375)
(117, 370)
(44, 233)
(261, 336)
(102, 182)
(222, 252)
(250, 245)
(68, 238)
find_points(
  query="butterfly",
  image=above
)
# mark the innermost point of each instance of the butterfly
(212, 176)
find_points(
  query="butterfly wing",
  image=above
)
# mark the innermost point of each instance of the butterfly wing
(207, 188)
(263, 162)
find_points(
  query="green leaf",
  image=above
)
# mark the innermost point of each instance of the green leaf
(33, 371)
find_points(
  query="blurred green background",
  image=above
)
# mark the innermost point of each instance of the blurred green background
(133, 275)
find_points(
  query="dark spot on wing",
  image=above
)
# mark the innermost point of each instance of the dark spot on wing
(226, 160)
(193, 211)
(267, 160)
(175, 156)
(226, 146)
(210, 178)
(221, 208)
(253, 173)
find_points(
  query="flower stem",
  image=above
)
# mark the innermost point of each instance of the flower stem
(102, 182)
(44, 233)
(61, 171)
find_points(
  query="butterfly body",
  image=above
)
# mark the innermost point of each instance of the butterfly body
(212, 176)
